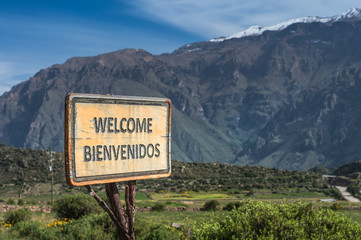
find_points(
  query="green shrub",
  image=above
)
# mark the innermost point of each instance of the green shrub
(175, 204)
(17, 215)
(158, 207)
(94, 226)
(10, 201)
(354, 188)
(335, 206)
(334, 192)
(35, 230)
(76, 206)
(145, 230)
(97, 227)
(232, 205)
(21, 202)
(264, 220)
(31, 202)
(250, 193)
(211, 205)
(161, 232)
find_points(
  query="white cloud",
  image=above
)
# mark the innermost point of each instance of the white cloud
(5, 70)
(212, 18)
(9, 76)
(6, 73)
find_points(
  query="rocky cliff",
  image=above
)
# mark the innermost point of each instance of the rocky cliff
(289, 98)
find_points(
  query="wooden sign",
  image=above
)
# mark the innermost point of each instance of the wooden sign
(116, 138)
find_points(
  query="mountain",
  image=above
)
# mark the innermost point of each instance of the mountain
(286, 98)
(354, 13)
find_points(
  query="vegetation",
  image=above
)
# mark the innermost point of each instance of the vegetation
(191, 186)
(211, 205)
(76, 206)
(349, 175)
(158, 207)
(232, 205)
(206, 177)
(348, 169)
(246, 220)
(22, 176)
(260, 220)
(27, 172)
(17, 216)
(354, 188)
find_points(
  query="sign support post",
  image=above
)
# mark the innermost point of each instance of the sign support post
(110, 139)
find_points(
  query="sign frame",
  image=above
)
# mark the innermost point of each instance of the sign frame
(71, 101)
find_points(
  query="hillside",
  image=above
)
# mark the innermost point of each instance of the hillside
(288, 98)
(349, 168)
(26, 171)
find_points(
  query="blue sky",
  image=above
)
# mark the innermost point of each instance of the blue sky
(37, 34)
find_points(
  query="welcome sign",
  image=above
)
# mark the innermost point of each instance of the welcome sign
(116, 138)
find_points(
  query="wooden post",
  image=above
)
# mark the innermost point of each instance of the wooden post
(122, 218)
(130, 205)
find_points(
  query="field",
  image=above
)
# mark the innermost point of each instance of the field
(183, 208)
(192, 202)
(184, 198)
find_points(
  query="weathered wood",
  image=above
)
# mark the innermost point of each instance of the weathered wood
(123, 218)
(114, 200)
(121, 230)
(130, 204)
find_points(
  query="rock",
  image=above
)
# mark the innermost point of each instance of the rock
(176, 225)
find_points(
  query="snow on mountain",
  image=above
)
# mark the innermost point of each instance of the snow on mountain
(354, 12)
(258, 30)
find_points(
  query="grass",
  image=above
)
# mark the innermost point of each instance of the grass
(195, 200)
(299, 195)
(5, 234)
(37, 216)
(204, 196)
(139, 196)
(167, 218)
(353, 214)
(190, 196)
(43, 217)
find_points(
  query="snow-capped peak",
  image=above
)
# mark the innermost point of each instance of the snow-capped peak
(258, 30)
(354, 12)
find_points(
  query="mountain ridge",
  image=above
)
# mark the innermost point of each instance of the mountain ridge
(285, 99)
(258, 30)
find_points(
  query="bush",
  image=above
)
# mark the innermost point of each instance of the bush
(35, 230)
(160, 232)
(10, 201)
(354, 188)
(17, 216)
(158, 207)
(76, 206)
(145, 230)
(211, 205)
(232, 205)
(335, 206)
(95, 227)
(333, 192)
(21, 202)
(31, 202)
(250, 193)
(263, 220)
